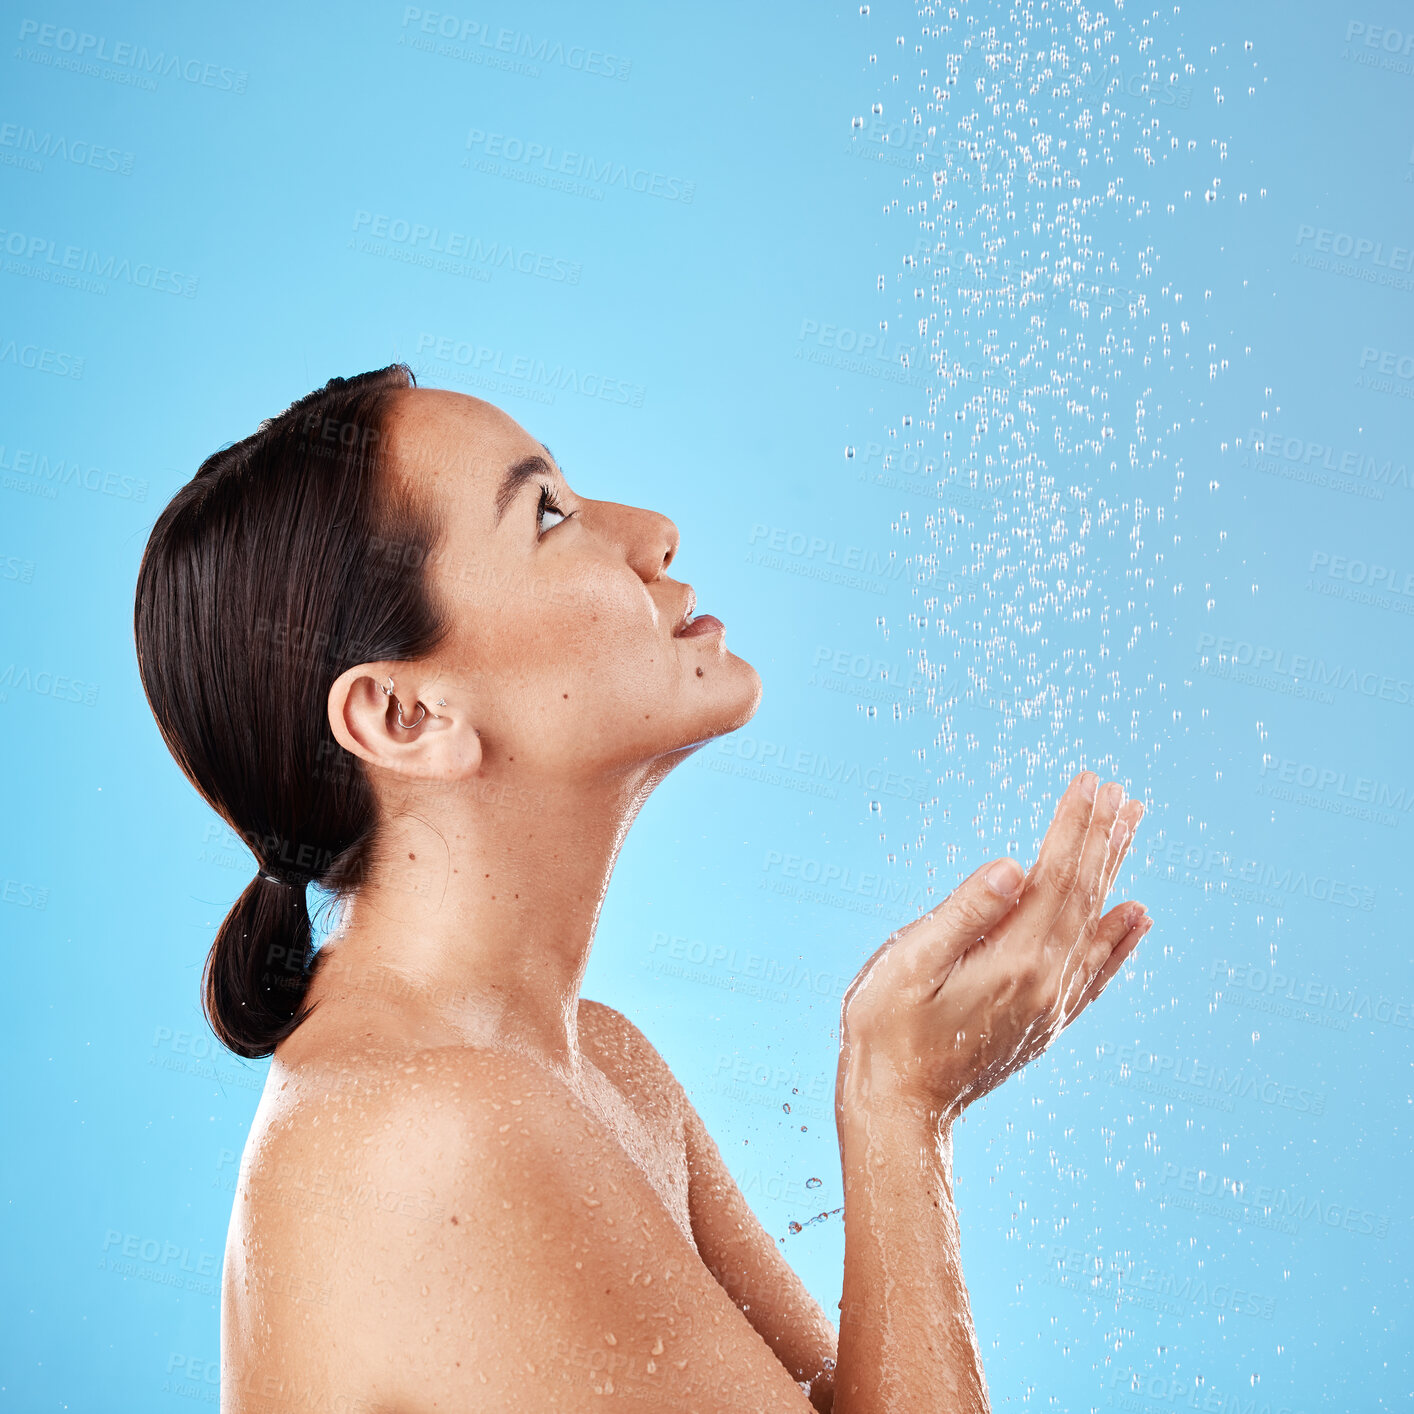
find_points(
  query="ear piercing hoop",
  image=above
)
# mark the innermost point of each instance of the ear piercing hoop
(408, 726)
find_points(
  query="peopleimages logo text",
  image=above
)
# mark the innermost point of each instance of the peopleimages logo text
(44, 250)
(558, 377)
(1306, 668)
(459, 245)
(96, 48)
(1355, 1003)
(1248, 877)
(583, 166)
(838, 771)
(1357, 247)
(1130, 1063)
(466, 35)
(1364, 789)
(1306, 453)
(32, 145)
(796, 543)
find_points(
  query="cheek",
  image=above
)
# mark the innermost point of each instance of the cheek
(615, 663)
(599, 643)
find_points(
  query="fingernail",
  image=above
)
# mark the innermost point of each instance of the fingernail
(1004, 877)
(1114, 795)
(1137, 915)
(1119, 835)
(1087, 785)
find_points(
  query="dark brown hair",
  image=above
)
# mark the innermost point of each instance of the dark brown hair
(290, 556)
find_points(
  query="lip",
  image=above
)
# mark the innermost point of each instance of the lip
(689, 604)
(703, 623)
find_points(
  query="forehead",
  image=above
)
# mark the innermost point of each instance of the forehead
(452, 441)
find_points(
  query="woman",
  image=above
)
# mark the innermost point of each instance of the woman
(399, 655)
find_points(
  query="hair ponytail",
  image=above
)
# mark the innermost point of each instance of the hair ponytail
(259, 967)
(289, 557)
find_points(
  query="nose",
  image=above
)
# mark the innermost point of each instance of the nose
(649, 540)
(668, 538)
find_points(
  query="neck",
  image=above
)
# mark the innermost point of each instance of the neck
(479, 913)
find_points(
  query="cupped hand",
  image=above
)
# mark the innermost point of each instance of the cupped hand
(964, 996)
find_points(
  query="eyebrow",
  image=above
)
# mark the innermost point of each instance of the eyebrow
(525, 470)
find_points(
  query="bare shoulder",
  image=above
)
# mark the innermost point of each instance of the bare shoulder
(623, 1052)
(349, 1111)
(467, 1234)
(357, 1161)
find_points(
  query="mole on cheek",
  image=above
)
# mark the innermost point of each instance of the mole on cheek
(699, 672)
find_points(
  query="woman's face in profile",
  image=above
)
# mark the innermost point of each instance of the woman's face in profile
(562, 646)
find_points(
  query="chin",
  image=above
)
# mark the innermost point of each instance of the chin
(739, 696)
(733, 704)
(751, 694)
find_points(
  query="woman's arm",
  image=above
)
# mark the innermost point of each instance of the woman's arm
(733, 1245)
(906, 1338)
(751, 1269)
(906, 1335)
(944, 1012)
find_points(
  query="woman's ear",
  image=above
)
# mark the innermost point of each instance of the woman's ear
(399, 719)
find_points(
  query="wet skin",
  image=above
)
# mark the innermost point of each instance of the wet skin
(467, 1187)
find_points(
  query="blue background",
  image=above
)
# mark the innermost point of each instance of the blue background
(1090, 461)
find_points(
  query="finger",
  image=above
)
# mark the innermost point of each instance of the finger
(1129, 818)
(1120, 840)
(1075, 921)
(924, 952)
(1057, 866)
(1108, 934)
(1071, 938)
(1088, 954)
(1119, 933)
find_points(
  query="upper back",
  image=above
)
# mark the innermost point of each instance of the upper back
(418, 1229)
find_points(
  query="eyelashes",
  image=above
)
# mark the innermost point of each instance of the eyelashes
(549, 503)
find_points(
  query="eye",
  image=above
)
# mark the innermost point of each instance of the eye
(549, 503)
